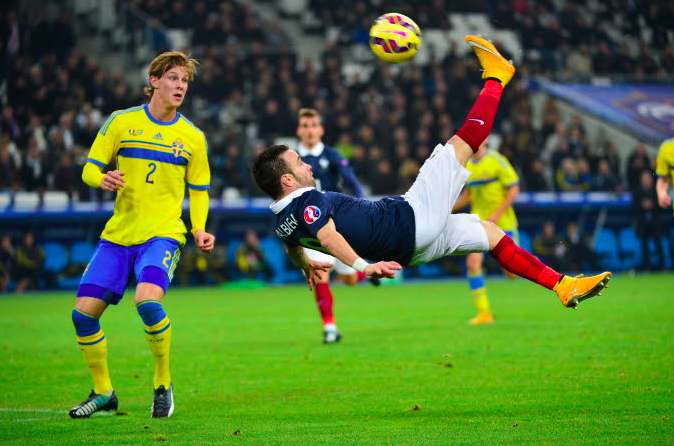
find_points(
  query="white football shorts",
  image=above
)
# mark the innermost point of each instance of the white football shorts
(440, 233)
(339, 267)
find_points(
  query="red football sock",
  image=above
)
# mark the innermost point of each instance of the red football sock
(361, 276)
(524, 264)
(324, 302)
(480, 118)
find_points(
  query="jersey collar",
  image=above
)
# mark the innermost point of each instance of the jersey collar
(278, 206)
(316, 150)
(157, 121)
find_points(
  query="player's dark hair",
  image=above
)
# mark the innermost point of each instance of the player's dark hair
(268, 167)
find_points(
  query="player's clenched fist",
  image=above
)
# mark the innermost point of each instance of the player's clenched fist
(113, 180)
(204, 241)
(382, 269)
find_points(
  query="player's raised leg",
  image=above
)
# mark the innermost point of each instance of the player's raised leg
(497, 72)
(478, 289)
(570, 290)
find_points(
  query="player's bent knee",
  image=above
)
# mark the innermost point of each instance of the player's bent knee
(349, 279)
(85, 324)
(151, 312)
(494, 233)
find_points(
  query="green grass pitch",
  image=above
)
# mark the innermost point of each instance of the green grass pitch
(249, 368)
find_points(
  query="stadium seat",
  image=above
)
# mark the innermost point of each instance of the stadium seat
(630, 248)
(606, 248)
(55, 257)
(525, 241)
(276, 257)
(81, 253)
(55, 200)
(26, 201)
(5, 199)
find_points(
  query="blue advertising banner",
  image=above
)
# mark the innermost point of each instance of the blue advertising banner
(645, 110)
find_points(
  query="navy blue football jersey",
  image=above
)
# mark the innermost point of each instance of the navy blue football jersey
(376, 230)
(331, 170)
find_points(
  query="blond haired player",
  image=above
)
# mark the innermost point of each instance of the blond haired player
(156, 152)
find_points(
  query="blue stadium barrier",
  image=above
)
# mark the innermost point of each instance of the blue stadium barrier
(630, 248)
(525, 241)
(606, 247)
(81, 253)
(55, 257)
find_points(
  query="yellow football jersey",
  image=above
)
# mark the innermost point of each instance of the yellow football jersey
(664, 164)
(158, 160)
(488, 183)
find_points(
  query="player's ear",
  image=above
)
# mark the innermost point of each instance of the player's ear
(287, 180)
(154, 82)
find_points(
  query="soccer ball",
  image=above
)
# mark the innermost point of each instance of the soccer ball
(394, 38)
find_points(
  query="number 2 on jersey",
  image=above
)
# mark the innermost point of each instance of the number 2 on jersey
(153, 167)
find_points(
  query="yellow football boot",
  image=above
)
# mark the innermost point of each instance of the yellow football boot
(482, 318)
(493, 64)
(573, 290)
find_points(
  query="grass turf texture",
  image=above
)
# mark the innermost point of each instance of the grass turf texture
(249, 368)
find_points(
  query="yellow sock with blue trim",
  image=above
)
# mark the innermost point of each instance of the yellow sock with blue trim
(158, 336)
(479, 292)
(94, 348)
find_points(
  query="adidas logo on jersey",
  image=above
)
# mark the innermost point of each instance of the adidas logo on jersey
(158, 136)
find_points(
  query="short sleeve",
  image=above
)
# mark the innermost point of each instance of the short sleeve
(105, 146)
(507, 175)
(198, 175)
(316, 211)
(661, 165)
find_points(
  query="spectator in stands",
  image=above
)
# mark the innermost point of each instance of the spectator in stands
(648, 221)
(33, 169)
(67, 175)
(550, 247)
(7, 262)
(535, 177)
(29, 263)
(580, 256)
(8, 165)
(605, 180)
(570, 177)
(250, 259)
(637, 162)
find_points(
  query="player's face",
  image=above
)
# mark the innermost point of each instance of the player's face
(172, 86)
(300, 170)
(310, 131)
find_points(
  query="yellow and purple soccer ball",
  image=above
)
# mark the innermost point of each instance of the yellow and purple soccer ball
(394, 37)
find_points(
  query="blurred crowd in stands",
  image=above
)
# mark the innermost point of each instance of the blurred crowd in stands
(562, 39)
(251, 85)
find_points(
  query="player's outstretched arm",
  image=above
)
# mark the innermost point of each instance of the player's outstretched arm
(310, 268)
(337, 245)
(662, 189)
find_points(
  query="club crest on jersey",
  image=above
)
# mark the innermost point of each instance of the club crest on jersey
(135, 132)
(311, 214)
(179, 148)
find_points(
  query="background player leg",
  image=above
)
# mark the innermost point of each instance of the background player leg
(325, 304)
(94, 348)
(158, 335)
(478, 289)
